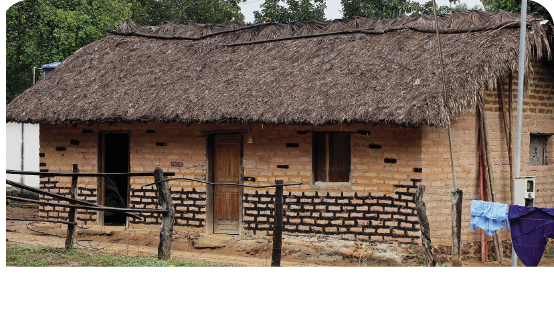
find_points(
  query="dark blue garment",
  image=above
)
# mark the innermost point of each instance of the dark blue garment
(531, 227)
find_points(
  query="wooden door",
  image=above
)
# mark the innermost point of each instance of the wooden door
(226, 170)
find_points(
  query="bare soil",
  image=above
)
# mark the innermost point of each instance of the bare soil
(244, 250)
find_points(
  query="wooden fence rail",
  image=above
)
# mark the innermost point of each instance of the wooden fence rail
(164, 199)
(64, 198)
(86, 174)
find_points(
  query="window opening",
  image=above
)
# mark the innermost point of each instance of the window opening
(331, 156)
(537, 150)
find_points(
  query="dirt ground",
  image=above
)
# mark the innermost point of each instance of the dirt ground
(244, 250)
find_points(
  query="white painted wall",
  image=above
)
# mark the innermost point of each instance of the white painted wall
(31, 151)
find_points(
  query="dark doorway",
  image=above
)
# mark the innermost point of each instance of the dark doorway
(115, 189)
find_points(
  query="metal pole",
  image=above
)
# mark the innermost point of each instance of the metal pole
(520, 78)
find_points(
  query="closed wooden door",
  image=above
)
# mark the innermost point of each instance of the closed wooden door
(226, 170)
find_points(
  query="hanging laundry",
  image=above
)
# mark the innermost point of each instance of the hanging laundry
(531, 227)
(488, 216)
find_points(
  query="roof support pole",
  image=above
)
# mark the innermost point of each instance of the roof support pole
(520, 78)
(456, 194)
(444, 94)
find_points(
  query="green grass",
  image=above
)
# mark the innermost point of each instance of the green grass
(549, 251)
(59, 257)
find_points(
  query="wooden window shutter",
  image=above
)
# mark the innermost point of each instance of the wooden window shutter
(319, 160)
(339, 157)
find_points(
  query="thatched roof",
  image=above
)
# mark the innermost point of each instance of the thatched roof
(356, 70)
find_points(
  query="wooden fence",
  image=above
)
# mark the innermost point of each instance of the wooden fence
(164, 199)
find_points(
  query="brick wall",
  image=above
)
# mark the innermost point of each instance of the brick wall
(376, 204)
(538, 117)
(352, 215)
(385, 162)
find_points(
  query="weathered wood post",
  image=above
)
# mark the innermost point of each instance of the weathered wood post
(457, 228)
(430, 257)
(72, 215)
(277, 225)
(166, 230)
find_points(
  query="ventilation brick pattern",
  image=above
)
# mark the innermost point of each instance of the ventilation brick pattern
(190, 206)
(365, 217)
(87, 217)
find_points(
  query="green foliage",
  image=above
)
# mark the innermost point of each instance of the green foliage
(39, 32)
(48, 256)
(158, 12)
(549, 251)
(419, 253)
(44, 31)
(388, 9)
(427, 8)
(514, 6)
(297, 10)
(391, 9)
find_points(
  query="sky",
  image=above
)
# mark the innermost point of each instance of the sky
(333, 7)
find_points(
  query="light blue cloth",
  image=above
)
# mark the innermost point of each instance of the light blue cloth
(489, 216)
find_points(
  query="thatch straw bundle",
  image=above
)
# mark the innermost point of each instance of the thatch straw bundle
(357, 70)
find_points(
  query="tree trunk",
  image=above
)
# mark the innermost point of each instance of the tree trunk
(277, 225)
(72, 214)
(457, 228)
(430, 257)
(166, 230)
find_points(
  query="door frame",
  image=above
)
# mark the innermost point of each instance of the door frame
(210, 177)
(101, 164)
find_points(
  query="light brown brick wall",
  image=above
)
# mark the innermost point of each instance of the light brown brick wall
(186, 145)
(538, 117)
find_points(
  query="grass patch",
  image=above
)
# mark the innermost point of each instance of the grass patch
(549, 251)
(60, 257)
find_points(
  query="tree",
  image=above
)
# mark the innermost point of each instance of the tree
(44, 31)
(158, 12)
(514, 6)
(296, 10)
(427, 8)
(391, 9)
(388, 9)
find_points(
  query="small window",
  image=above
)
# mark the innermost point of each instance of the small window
(537, 150)
(331, 157)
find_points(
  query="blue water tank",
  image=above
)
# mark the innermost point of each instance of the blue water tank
(49, 67)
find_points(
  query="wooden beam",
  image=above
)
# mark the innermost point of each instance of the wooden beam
(86, 207)
(457, 228)
(430, 257)
(72, 214)
(86, 174)
(166, 230)
(64, 198)
(277, 225)
(40, 220)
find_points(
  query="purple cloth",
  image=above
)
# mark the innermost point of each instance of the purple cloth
(531, 226)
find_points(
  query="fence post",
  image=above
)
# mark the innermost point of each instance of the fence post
(166, 230)
(430, 257)
(457, 228)
(277, 225)
(72, 215)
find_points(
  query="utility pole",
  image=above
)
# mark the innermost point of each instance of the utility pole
(520, 78)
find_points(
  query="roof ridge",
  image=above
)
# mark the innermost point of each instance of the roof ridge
(458, 22)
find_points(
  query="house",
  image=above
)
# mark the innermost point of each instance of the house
(353, 109)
